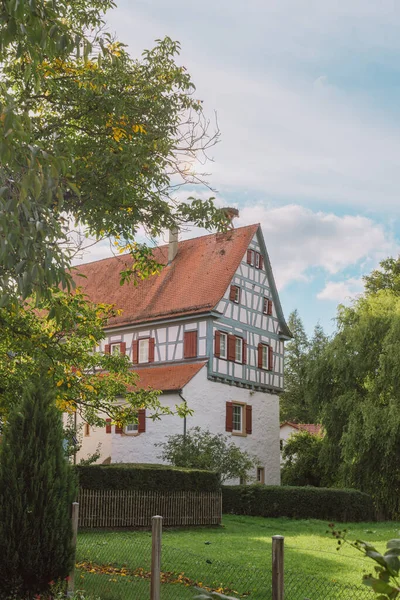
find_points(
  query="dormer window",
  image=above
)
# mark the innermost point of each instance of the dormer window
(234, 295)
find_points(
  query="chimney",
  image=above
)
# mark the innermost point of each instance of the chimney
(172, 244)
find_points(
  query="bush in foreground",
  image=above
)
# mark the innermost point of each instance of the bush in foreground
(37, 487)
(298, 502)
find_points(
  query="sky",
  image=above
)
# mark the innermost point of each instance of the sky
(307, 95)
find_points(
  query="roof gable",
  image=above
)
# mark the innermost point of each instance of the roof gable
(194, 282)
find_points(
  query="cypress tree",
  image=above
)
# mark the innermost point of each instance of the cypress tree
(37, 487)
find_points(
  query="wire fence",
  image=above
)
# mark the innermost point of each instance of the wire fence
(116, 565)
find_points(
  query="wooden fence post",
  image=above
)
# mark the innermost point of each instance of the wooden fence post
(75, 516)
(277, 567)
(155, 584)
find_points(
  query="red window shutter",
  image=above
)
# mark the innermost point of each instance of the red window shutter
(217, 344)
(151, 350)
(107, 349)
(142, 420)
(260, 349)
(270, 358)
(122, 348)
(135, 352)
(229, 416)
(261, 262)
(249, 257)
(269, 309)
(231, 347)
(190, 344)
(119, 429)
(232, 294)
(249, 418)
(244, 352)
(108, 425)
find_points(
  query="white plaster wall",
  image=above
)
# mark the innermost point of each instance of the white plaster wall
(208, 400)
(90, 443)
(141, 448)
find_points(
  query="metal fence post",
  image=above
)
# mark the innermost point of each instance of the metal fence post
(277, 567)
(74, 517)
(155, 583)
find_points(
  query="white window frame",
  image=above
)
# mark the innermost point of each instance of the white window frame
(134, 430)
(257, 260)
(241, 418)
(223, 355)
(252, 259)
(265, 305)
(265, 357)
(238, 343)
(115, 348)
(143, 351)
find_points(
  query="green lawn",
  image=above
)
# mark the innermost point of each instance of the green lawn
(237, 558)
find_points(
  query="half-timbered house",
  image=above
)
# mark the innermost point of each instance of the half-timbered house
(208, 330)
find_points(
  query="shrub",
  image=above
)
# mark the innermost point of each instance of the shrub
(201, 449)
(161, 478)
(301, 455)
(297, 502)
(37, 487)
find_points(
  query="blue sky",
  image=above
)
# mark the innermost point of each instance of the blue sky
(308, 101)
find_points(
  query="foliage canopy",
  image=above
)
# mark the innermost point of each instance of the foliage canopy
(88, 135)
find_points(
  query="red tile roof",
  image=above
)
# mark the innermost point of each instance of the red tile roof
(168, 378)
(310, 427)
(194, 282)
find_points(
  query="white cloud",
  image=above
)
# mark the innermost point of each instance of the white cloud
(341, 291)
(300, 240)
(282, 134)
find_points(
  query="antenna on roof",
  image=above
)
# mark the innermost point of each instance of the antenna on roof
(230, 213)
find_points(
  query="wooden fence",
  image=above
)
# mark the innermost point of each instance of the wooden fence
(132, 508)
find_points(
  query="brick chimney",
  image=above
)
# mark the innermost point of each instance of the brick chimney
(172, 244)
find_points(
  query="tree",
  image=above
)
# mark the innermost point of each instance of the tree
(301, 456)
(359, 392)
(89, 135)
(293, 401)
(59, 342)
(37, 488)
(387, 277)
(201, 449)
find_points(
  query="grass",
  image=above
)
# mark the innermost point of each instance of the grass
(236, 557)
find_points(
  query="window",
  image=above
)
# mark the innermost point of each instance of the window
(267, 306)
(255, 259)
(132, 428)
(190, 344)
(143, 351)
(234, 295)
(260, 474)
(238, 350)
(281, 445)
(115, 348)
(139, 427)
(237, 420)
(265, 357)
(223, 345)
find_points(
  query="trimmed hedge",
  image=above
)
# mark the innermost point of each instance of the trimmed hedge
(298, 502)
(160, 478)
